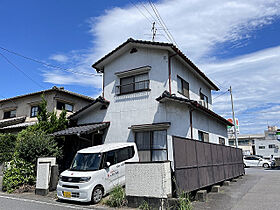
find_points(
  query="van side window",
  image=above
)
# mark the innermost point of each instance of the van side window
(111, 157)
(125, 154)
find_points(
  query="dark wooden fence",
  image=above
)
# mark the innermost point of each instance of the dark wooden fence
(199, 164)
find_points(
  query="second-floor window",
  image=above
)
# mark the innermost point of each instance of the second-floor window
(133, 84)
(204, 99)
(34, 111)
(9, 114)
(64, 106)
(183, 87)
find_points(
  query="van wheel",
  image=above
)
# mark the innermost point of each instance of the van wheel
(97, 194)
(265, 165)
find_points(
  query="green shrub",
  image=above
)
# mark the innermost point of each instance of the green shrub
(117, 197)
(184, 202)
(34, 144)
(19, 173)
(7, 147)
(145, 206)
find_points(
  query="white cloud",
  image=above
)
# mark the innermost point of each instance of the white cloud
(254, 79)
(198, 26)
(59, 58)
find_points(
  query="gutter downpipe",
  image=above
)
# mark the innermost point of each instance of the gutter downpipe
(191, 125)
(169, 71)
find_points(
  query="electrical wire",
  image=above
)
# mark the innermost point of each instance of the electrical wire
(220, 95)
(46, 64)
(162, 21)
(17, 68)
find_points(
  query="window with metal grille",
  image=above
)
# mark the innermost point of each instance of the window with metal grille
(135, 83)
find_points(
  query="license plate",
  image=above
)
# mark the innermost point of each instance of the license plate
(67, 194)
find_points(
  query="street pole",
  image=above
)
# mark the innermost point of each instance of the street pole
(233, 117)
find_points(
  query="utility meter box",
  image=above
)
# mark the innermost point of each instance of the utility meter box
(43, 174)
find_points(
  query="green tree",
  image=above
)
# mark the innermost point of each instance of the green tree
(7, 147)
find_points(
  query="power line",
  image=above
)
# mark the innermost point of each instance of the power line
(46, 64)
(16, 67)
(220, 95)
(162, 21)
(142, 13)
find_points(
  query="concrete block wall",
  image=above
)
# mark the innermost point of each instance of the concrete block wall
(151, 179)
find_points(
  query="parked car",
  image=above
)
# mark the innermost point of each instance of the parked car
(95, 171)
(252, 160)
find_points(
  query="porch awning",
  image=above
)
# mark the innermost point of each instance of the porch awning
(153, 126)
(82, 129)
(11, 121)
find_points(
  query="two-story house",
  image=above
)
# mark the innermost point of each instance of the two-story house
(151, 92)
(21, 111)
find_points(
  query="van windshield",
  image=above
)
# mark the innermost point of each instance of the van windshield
(86, 162)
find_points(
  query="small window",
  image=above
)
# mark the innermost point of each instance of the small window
(64, 106)
(34, 111)
(133, 84)
(9, 114)
(261, 147)
(222, 141)
(271, 146)
(204, 98)
(202, 136)
(231, 143)
(183, 87)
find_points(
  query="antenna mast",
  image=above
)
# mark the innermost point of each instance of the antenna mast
(154, 31)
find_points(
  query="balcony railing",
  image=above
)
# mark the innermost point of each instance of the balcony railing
(133, 87)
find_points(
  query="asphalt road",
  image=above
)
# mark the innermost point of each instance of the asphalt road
(259, 189)
(35, 202)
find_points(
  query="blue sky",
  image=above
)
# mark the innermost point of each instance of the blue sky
(234, 42)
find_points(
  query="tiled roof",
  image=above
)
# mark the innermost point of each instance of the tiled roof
(11, 121)
(82, 129)
(19, 125)
(194, 105)
(171, 46)
(59, 89)
(99, 99)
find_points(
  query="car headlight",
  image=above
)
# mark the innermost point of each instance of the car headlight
(85, 179)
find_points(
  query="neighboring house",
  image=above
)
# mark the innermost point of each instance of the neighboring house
(151, 92)
(21, 111)
(246, 142)
(266, 144)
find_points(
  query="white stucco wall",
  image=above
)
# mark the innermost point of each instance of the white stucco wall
(142, 107)
(195, 84)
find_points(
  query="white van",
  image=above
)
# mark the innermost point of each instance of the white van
(95, 171)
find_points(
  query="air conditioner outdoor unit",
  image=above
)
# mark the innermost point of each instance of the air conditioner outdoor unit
(202, 103)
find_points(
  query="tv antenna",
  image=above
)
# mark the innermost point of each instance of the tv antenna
(154, 31)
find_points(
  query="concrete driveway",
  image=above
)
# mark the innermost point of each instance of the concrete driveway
(258, 189)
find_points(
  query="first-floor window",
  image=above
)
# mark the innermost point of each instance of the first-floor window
(261, 147)
(202, 136)
(222, 141)
(152, 145)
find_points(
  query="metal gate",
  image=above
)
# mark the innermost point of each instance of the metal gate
(199, 164)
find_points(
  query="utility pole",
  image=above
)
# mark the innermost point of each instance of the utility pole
(234, 123)
(154, 30)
